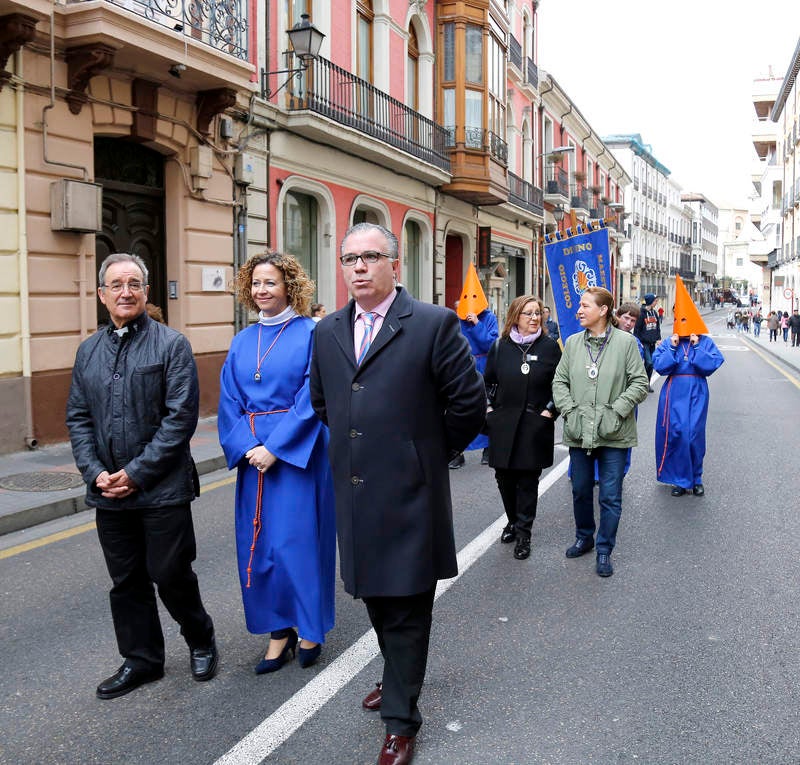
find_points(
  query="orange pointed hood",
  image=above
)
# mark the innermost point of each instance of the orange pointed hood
(473, 299)
(688, 320)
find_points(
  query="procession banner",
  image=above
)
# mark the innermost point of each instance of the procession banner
(575, 263)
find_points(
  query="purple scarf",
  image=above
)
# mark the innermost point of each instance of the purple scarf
(523, 339)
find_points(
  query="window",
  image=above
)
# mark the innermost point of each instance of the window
(364, 40)
(300, 216)
(474, 54)
(739, 262)
(497, 82)
(412, 71)
(412, 258)
(473, 119)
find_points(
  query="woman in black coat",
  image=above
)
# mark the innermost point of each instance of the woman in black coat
(521, 416)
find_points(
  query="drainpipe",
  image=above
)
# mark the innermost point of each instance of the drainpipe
(22, 261)
(52, 103)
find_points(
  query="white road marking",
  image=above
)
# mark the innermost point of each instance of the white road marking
(275, 729)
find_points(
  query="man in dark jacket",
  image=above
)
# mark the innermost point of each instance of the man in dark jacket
(396, 383)
(132, 408)
(794, 326)
(648, 330)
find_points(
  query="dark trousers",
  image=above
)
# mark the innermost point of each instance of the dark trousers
(648, 359)
(795, 339)
(519, 490)
(403, 626)
(142, 548)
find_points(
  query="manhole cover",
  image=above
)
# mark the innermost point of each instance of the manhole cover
(43, 481)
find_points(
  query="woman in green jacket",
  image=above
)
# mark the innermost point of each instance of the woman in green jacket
(598, 383)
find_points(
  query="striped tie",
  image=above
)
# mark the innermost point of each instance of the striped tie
(369, 321)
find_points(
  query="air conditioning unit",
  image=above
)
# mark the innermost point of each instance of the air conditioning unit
(76, 206)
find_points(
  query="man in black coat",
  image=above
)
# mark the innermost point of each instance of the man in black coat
(648, 330)
(396, 383)
(132, 409)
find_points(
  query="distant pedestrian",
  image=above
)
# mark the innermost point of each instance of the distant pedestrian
(518, 377)
(318, 311)
(597, 385)
(794, 326)
(550, 324)
(648, 330)
(757, 319)
(785, 326)
(773, 324)
(132, 409)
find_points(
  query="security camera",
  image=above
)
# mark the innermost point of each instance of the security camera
(177, 69)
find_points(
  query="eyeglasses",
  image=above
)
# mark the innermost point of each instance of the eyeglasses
(530, 313)
(117, 287)
(368, 257)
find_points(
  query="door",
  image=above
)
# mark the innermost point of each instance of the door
(132, 177)
(453, 269)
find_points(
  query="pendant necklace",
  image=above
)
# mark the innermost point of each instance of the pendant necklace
(259, 357)
(525, 367)
(685, 351)
(593, 369)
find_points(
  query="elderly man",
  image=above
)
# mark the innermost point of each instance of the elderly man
(132, 408)
(396, 383)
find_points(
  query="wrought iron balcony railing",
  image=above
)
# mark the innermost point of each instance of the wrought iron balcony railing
(221, 24)
(335, 93)
(557, 182)
(533, 73)
(524, 194)
(515, 52)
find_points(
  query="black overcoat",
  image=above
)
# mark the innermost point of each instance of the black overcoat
(394, 423)
(520, 438)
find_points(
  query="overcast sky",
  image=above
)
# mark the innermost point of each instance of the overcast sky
(680, 74)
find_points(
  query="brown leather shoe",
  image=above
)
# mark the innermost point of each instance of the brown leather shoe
(372, 701)
(397, 750)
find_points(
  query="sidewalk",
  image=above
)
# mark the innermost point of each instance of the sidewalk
(46, 484)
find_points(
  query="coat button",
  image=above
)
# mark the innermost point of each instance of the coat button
(355, 480)
(116, 375)
(354, 433)
(355, 386)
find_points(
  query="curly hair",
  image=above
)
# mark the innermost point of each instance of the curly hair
(515, 309)
(299, 288)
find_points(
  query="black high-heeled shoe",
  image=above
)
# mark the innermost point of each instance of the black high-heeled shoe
(273, 665)
(307, 656)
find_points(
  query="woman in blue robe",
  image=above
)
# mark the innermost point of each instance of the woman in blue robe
(285, 528)
(686, 362)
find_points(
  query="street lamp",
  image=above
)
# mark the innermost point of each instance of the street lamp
(306, 40)
(557, 150)
(616, 206)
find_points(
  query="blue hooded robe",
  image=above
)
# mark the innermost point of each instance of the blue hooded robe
(287, 513)
(481, 337)
(683, 409)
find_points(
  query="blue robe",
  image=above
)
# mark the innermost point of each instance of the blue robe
(291, 582)
(683, 409)
(481, 337)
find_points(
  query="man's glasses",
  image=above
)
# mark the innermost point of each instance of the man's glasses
(368, 257)
(117, 287)
(530, 313)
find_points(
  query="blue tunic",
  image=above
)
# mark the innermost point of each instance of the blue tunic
(481, 337)
(293, 560)
(683, 409)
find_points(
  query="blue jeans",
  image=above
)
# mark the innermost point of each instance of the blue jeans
(611, 470)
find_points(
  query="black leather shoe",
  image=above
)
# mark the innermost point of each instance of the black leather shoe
(581, 547)
(457, 462)
(125, 680)
(508, 535)
(523, 548)
(604, 567)
(204, 662)
(698, 490)
(678, 491)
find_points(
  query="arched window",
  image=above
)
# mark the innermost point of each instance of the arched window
(300, 218)
(412, 258)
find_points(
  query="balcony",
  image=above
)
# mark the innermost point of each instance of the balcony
(515, 53)
(579, 201)
(533, 73)
(525, 195)
(334, 93)
(556, 187)
(146, 37)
